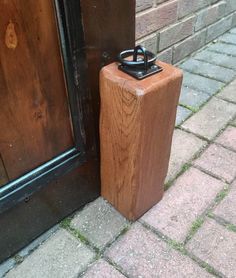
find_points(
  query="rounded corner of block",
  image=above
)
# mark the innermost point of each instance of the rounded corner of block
(180, 72)
(177, 73)
(102, 71)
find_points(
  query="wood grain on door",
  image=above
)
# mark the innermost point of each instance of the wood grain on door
(34, 116)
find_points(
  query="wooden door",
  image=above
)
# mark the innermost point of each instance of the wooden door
(50, 57)
(34, 116)
(48, 160)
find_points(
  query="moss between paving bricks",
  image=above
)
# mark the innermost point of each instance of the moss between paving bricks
(180, 247)
(66, 224)
(200, 220)
(172, 243)
(206, 266)
(195, 227)
(229, 226)
(189, 107)
(124, 231)
(116, 266)
(184, 168)
(221, 195)
(177, 246)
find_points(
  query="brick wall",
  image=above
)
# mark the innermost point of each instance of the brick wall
(176, 28)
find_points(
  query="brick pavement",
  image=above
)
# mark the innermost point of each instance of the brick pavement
(192, 231)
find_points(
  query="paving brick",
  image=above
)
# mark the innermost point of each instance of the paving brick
(160, 1)
(60, 256)
(201, 83)
(219, 28)
(218, 161)
(217, 59)
(38, 241)
(192, 97)
(175, 213)
(165, 56)
(189, 45)
(208, 70)
(149, 42)
(211, 118)
(155, 19)
(187, 7)
(209, 15)
(215, 245)
(228, 49)
(227, 208)
(233, 31)
(233, 122)
(228, 138)
(176, 32)
(230, 6)
(179, 155)
(99, 222)
(228, 38)
(102, 269)
(234, 19)
(140, 253)
(229, 92)
(6, 266)
(182, 114)
(143, 5)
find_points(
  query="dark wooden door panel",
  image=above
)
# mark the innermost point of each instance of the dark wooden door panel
(34, 116)
(108, 29)
(46, 207)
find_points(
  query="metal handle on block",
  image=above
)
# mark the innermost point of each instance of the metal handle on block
(141, 65)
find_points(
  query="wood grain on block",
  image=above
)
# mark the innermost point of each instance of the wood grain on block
(136, 125)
